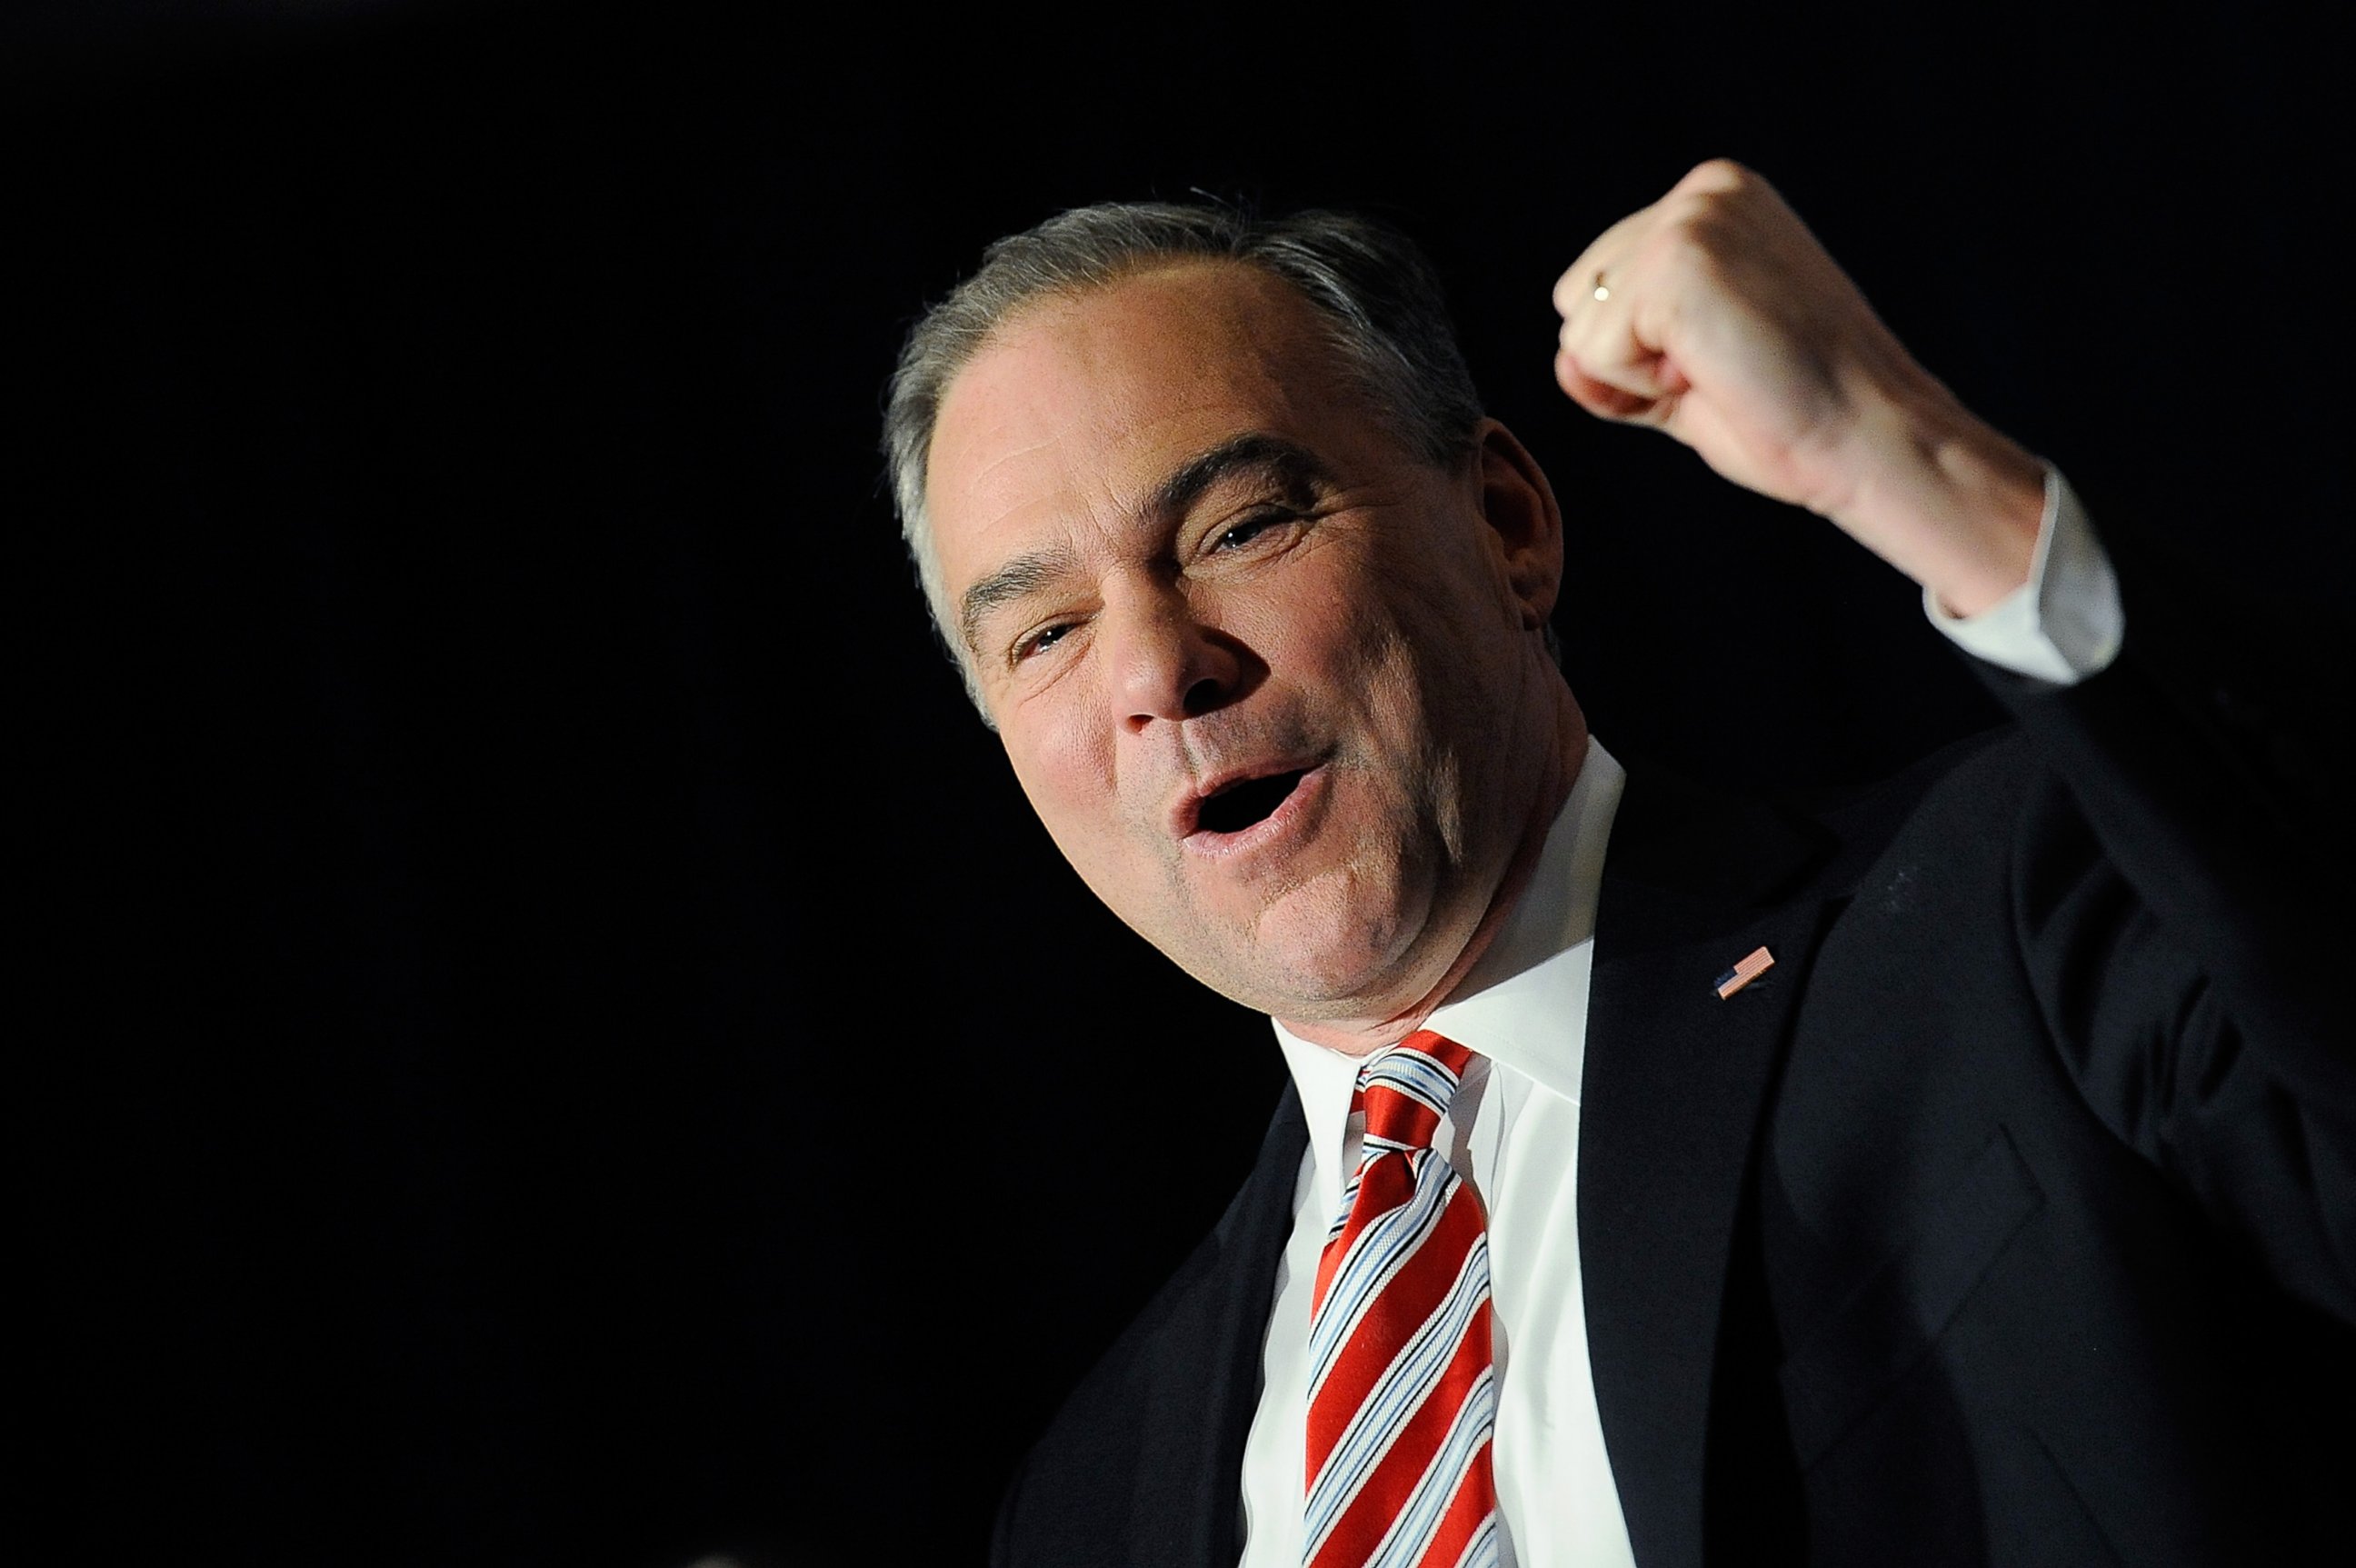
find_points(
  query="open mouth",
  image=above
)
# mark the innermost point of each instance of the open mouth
(1247, 801)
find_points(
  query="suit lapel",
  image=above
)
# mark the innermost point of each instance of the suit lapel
(1674, 1085)
(1201, 1385)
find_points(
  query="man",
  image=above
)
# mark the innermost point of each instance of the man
(1964, 1176)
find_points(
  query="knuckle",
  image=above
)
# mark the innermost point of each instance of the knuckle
(1718, 175)
(1711, 198)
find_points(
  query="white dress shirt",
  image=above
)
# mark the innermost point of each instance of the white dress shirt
(1513, 1130)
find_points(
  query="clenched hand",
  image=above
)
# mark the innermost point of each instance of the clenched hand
(1714, 314)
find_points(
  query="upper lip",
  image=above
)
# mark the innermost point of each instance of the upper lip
(1186, 813)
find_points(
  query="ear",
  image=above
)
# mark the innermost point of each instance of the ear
(1519, 506)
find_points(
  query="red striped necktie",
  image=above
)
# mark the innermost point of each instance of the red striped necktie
(1402, 1395)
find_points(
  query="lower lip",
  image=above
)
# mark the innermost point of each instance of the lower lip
(1292, 813)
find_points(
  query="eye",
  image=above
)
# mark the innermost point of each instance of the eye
(1243, 533)
(1040, 640)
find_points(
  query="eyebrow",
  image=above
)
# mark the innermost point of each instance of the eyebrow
(1023, 574)
(1298, 469)
(1299, 472)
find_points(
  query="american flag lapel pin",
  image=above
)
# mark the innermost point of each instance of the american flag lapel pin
(1744, 972)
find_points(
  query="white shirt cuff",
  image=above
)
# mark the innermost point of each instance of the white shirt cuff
(2065, 623)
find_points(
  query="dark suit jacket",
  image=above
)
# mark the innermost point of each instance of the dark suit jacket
(2011, 1218)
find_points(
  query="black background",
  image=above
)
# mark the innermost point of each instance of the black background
(478, 736)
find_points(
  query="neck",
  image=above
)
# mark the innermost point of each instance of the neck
(1558, 774)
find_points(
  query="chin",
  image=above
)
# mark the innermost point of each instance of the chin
(1330, 981)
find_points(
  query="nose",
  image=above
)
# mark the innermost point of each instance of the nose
(1168, 661)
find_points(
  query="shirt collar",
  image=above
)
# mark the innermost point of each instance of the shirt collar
(1525, 1003)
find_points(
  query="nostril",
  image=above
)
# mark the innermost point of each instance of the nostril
(1203, 696)
(1173, 665)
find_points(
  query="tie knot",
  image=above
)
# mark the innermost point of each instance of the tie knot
(1405, 1089)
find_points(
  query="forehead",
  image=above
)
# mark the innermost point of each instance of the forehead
(1087, 401)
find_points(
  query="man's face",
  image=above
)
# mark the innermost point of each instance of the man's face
(1265, 674)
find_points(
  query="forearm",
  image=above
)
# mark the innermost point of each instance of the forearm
(1948, 500)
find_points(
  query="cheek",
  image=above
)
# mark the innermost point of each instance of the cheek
(1327, 634)
(1377, 660)
(1066, 768)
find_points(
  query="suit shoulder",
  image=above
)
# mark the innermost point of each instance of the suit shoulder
(1983, 774)
(1737, 850)
(1149, 1447)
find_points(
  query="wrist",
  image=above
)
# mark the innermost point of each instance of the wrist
(1950, 502)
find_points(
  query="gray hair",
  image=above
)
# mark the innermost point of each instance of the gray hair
(1377, 296)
